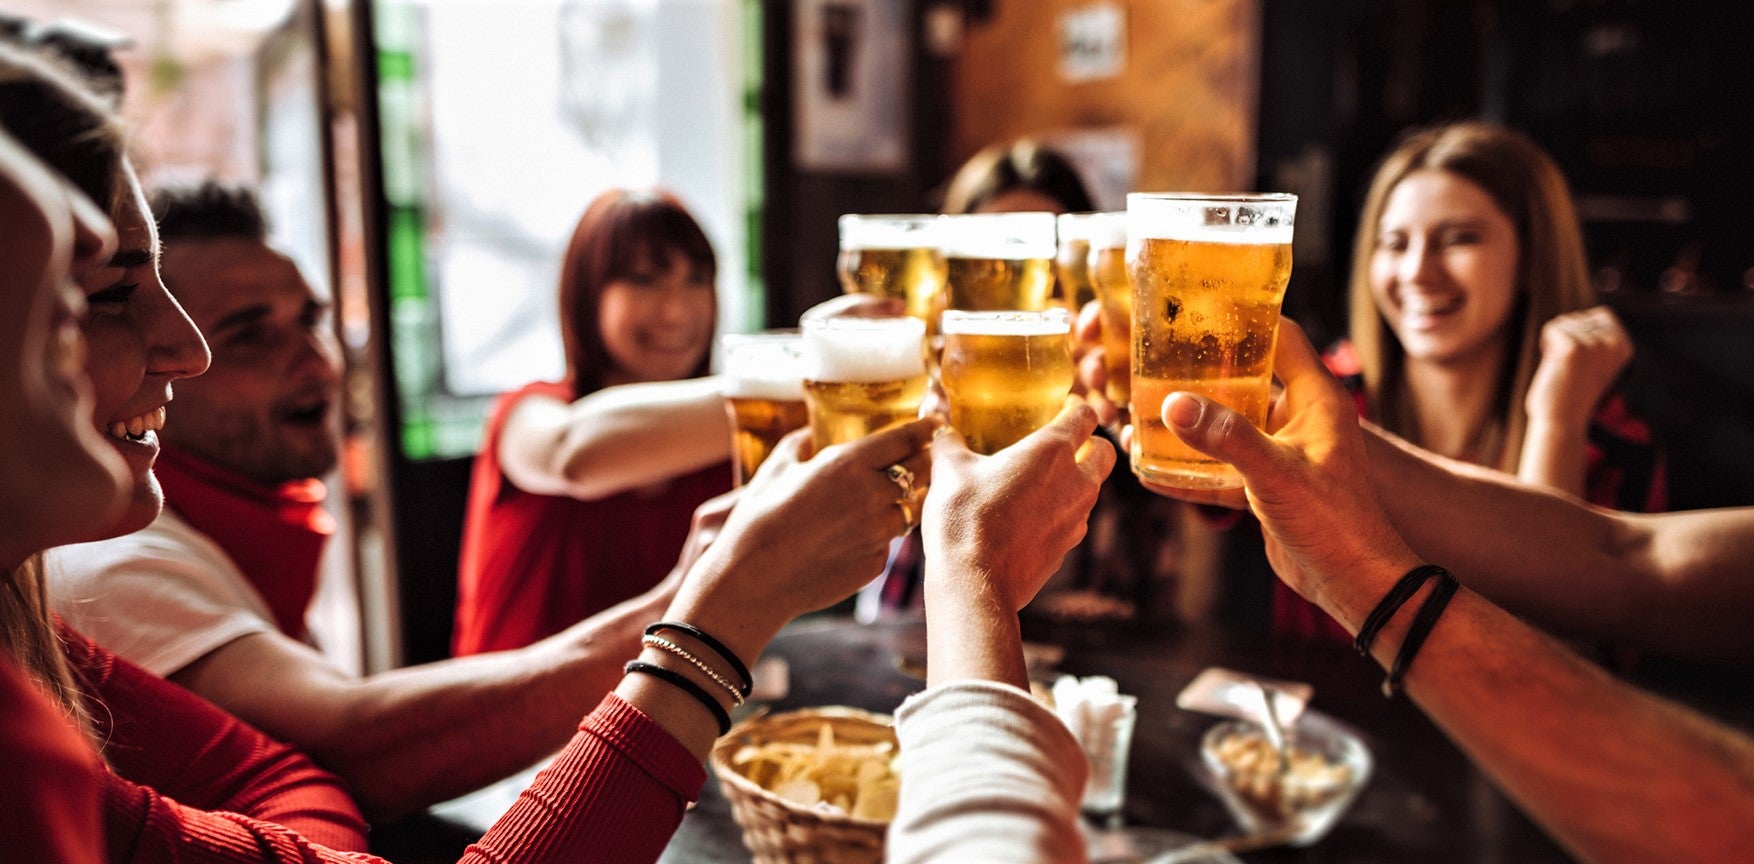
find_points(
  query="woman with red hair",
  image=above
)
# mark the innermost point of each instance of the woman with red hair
(583, 489)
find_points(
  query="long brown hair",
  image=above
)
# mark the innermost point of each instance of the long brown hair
(1552, 275)
(620, 232)
(28, 637)
(46, 108)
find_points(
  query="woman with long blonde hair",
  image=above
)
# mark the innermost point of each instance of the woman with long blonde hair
(1475, 331)
(1473, 318)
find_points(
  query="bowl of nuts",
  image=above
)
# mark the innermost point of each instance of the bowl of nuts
(1296, 794)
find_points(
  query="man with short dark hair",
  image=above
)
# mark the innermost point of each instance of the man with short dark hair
(213, 595)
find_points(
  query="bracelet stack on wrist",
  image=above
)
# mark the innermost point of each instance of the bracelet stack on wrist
(681, 682)
(738, 689)
(745, 684)
(1423, 620)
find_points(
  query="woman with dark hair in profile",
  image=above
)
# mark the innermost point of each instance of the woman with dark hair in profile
(583, 489)
(1019, 177)
(170, 762)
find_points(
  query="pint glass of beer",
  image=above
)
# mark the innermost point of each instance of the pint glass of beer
(1006, 373)
(764, 394)
(1107, 234)
(999, 261)
(1209, 272)
(894, 255)
(862, 375)
(1072, 264)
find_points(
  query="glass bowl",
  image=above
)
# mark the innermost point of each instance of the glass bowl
(1329, 764)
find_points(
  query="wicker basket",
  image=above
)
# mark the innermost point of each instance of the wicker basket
(778, 831)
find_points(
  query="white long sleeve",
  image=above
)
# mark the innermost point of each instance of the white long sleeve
(987, 774)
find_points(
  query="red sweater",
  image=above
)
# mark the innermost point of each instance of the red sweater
(49, 782)
(190, 783)
(171, 752)
(534, 565)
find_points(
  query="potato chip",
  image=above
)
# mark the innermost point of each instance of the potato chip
(826, 775)
(877, 799)
(801, 792)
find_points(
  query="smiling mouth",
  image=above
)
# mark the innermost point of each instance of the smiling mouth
(135, 429)
(1430, 306)
(307, 415)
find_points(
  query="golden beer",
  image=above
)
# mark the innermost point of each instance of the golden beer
(993, 284)
(1114, 293)
(1208, 276)
(999, 261)
(757, 425)
(862, 375)
(1006, 373)
(764, 395)
(1072, 265)
(913, 276)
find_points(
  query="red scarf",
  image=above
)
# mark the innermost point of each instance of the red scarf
(274, 534)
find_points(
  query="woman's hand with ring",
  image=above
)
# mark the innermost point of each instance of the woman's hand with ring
(807, 532)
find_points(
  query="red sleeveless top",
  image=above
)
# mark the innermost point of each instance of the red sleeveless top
(533, 565)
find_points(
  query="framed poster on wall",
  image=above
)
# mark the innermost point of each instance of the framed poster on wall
(851, 76)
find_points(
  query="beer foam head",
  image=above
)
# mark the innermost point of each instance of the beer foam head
(1001, 236)
(889, 231)
(857, 350)
(1107, 230)
(1093, 227)
(764, 366)
(1050, 322)
(1257, 219)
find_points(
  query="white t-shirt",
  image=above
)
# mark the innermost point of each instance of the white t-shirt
(166, 596)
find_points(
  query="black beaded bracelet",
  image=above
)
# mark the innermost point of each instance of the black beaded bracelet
(1421, 627)
(746, 684)
(1391, 602)
(682, 683)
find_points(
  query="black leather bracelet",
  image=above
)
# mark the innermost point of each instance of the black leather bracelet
(1404, 589)
(682, 683)
(746, 684)
(1421, 627)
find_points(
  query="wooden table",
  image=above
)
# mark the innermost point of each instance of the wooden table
(1424, 802)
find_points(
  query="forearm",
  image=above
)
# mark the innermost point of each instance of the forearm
(1530, 550)
(1577, 749)
(629, 436)
(1670, 582)
(971, 634)
(412, 737)
(429, 733)
(1554, 455)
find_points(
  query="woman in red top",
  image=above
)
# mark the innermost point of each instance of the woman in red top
(49, 790)
(1475, 330)
(582, 491)
(67, 481)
